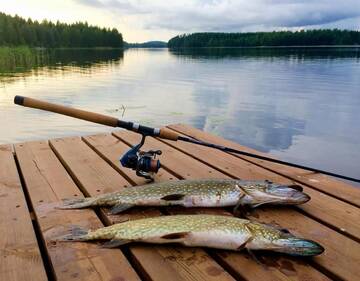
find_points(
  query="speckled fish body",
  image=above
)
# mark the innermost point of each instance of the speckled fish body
(221, 232)
(195, 193)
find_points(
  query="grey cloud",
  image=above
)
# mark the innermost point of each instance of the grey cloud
(231, 15)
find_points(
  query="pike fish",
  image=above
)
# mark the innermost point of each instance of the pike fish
(195, 193)
(221, 232)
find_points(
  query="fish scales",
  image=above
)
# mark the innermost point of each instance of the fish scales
(222, 232)
(196, 193)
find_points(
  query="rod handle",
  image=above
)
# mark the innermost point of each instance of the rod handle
(65, 110)
(168, 134)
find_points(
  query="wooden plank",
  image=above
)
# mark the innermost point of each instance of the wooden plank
(47, 183)
(108, 147)
(339, 214)
(239, 263)
(342, 253)
(20, 257)
(320, 182)
(157, 262)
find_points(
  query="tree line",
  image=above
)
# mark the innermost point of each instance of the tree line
(16, 31)
(256, 39)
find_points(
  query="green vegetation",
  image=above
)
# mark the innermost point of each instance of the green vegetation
(149, 44)
(16, 31)
(12, 57)
(257, 39)
(24, 59)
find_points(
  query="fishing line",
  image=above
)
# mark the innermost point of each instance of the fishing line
(145, 163)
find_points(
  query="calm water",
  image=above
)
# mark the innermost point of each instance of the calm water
(300, 105)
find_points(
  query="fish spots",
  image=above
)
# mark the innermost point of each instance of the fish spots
(214, 271)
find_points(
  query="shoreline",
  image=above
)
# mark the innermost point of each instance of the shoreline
(275, 47)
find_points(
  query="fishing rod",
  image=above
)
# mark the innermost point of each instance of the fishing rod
(144, 162)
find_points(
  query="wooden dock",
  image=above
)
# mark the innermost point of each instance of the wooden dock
(35, 176)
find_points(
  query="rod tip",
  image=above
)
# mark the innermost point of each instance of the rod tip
(19, 100)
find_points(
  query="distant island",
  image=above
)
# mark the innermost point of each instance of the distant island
(16, 31)
(149, 44)
(269, 39)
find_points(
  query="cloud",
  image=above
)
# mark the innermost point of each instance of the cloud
(232, 15)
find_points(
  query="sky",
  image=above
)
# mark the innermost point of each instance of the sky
(144, 20)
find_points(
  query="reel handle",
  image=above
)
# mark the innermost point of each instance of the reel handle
(163, 133)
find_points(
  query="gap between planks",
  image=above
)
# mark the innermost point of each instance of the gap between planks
(95, 176)
(329, 237)
(338, 210)
(343, 191)
(106, 145)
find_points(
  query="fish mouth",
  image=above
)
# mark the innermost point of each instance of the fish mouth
(289, 194)
(298, 247)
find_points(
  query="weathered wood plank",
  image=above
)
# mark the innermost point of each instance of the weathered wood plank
(108, 147)
(95, 176)
(342, 253)
(323, 183)
(237, 262)
(47, 183)
(20, 257)
(339, 214)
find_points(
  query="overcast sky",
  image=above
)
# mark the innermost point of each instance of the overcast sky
(143, 20)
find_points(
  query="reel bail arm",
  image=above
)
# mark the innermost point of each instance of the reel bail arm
(143, 162)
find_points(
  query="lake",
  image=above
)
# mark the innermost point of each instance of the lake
(299, 104)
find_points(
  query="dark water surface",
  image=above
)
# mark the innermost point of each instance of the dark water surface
(301, 105)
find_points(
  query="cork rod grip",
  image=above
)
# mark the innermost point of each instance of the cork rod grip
(168, 134)
(69, 111)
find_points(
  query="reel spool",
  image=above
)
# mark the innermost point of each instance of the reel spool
(143, 162)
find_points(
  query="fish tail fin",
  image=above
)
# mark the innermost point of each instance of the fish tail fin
(75, 233)
(76, 203)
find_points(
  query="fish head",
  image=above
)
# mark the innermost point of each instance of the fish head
(266, 192)
(274, 238)
(297, 246)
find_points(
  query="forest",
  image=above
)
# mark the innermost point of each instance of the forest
(16, 31)
(275, 38)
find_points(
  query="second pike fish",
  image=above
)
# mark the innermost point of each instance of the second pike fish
(195, 193)
(221, 232)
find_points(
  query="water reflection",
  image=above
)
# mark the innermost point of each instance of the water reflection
(49, 61)
(298, 104)
(299, 53)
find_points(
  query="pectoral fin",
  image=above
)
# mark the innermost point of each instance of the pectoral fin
(173, 197)
(243, 245)
(114, 243)
(264, 203)
(175, 236)
(120, 208)
(240, 210)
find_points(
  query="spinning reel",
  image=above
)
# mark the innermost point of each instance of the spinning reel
(143, 162)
